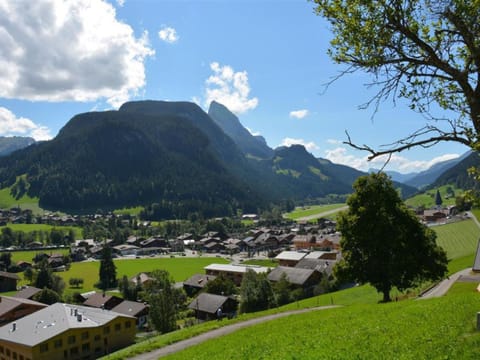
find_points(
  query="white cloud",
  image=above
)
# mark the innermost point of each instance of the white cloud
(310, 145)
(11, 125)
(120, 3)
(334, 141)
(168, 34)
(254, 133)
(69, 51)
(340, 155)
(229, 88)
(299, 114)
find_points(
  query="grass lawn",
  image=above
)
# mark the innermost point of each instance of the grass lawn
(300, 212)
(442, 328)
(29, 255)
(427, 198)
(25, 202)
(458, 239)
(179, 268)
(134, 211)
(44, 227)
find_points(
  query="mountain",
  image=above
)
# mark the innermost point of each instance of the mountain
(429, 176)
(112, 159)
(229, 123)
(11, 144)
(458, 174)
(397, 176)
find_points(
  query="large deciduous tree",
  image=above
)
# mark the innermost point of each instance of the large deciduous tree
(383, 243)
(426, 51)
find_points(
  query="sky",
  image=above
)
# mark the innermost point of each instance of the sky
(265, 60)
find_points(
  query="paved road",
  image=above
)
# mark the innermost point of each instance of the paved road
(181, 345)
(323, 214)
(443, 286)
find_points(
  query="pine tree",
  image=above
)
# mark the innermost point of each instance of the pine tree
(108, 271)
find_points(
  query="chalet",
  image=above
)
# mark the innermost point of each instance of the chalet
(302, 278)
(304, 241)
(154, 242)
(63, 331)
(196, 283)
(133, 308)
(125, 249)
(233, 272)
(432, 216)
(142, 278)
(13, 308)
(214, 247)
(324, 255)
(8, 281)
(102, 301)
(206, 306)
(24, 265)
(320, 265)
(289, 258)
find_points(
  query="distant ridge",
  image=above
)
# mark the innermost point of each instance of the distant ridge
(13, 143)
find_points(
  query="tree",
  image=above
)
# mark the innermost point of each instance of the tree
(75, 282)
(438, 198)
(128, 289)
(221, 285)
(425, 51)
(383, 243)
(6, 260)
(47, 296)
(256, 292)
(163, 298)
(108, 271)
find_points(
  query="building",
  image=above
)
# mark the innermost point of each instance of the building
(133, 308)
(63, 331)
(302, 278)
(206, 306)
(8, 281)
(289, 258)
(27, 292)
(12, 308)
(196, 283)
(233, 272)
(102, 300)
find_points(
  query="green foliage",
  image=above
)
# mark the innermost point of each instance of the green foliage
(129, 289)
(108, 272)
(383, 243)
(221, 285)
(47, 296)
(438, 198)
(163, 298)
(76, 282)
(45, 279)
(256, 292)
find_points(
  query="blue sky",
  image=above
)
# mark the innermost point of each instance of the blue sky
(265, 60)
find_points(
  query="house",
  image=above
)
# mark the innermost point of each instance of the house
(206, 306)
(13, 308)
(133, 308)
(233, 272)
(125, 249)
(154, 242)
(63, 331)
(324, 255)
(196, 283)
(24, 265)
(320, 265)
(27, 292)
(289, 258)
(102, 301)
(142, 278)
(302, 278)
(214, 247)
(430, 216)
(8, 281)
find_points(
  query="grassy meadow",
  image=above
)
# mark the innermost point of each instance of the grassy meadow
(44, 227)
(427, 198)
(304, 211)
(7, 201)
(459, 239)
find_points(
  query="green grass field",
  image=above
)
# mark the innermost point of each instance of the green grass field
(301, 212)
(442, 328)
(134, 211)
(427, 198)
(458, 239)
(44, 227)
(25, 202)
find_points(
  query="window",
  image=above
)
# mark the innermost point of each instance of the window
(21, 357)
(85, 335)
(118, 327)
(7, 352)
(85, 347)
(97, 337)
(71, 339)
(58, 343)
(106, 330)
(14, 355)
(97, 350)
(74, 350)
(1, 349)
(43, 347)
(128, 324)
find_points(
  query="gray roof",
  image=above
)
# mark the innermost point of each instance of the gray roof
(199, 280)
(290, 255)
(131, 308)
(27, 293)
(320, 265)
(9, 275)
(237, 268)
(294, 275)
(8, 303)
(53, 320)
(208, 303)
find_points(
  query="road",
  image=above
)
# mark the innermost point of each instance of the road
(181, 345)
(443, 286)
(323, 214)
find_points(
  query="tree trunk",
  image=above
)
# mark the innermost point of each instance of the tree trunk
(386, 295)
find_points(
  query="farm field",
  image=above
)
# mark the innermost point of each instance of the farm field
(43, 227)
(458, 239)
(179, 268)
(433, 329)
(301, 212)
(29, 255)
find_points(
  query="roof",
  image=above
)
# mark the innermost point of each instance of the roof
(128, 307)
(294, 275)
(236, 268)
(316, 254)
(9, 275)
(53, 320)
(199, 280)
(8, 303)
(98, 299)
(27, 292)
(320, 265)
(290, 255)
(208, 303)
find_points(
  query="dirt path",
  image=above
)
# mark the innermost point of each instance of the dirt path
(181, 345)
